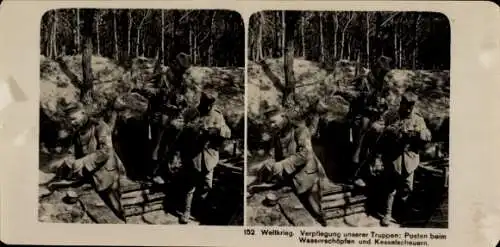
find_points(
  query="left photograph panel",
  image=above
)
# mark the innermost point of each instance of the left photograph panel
(141, 116)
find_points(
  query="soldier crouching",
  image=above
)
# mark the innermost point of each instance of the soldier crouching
(94, 157)
(199, 146)
(296, 163)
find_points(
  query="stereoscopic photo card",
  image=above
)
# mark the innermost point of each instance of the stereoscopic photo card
(341, 75)
(243, 123)
(147, 106)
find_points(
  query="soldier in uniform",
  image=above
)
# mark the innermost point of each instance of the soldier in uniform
(404, 134)
(295, 161)
(365, 108)
(167, 100)
(199, 146)
(94, 157)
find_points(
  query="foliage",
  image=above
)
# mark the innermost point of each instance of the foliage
(212, 37)
(415, 40)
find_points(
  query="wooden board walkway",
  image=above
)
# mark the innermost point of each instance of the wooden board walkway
(144, 199)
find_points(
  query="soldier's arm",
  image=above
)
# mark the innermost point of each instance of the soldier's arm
(221, 125)
(314, 124)
(347, 95)
(422, 132)
(95, 160)
(304, 152)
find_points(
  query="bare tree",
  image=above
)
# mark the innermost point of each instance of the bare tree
(211, 47)
(291, 19)
(139, 29)
(321, 39)
(77, 30)
(87, 83)
(129, 32)
(98, 40)
(163, 35)
(303, 34)
(342, 44)
(115, 35)
(368, 40)
(335, 33)
(260, 54)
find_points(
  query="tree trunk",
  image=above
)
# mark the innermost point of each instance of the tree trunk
(283, 32)
(400, 50)
(321, 40)
(368, 58)
(396, 60)
(143, 43)
(342, 44)
(415, 42)
(54, 34)
(349, 48)
(291, 21)
(129, 32)
(261, 30)
(342, 40)
(212, 41)
(335, 32)
(115, 35)
(98, 40)
(195, 47)
(303, 35)
(87, 83)
(277, 37)
(259, 52)
(163, 36)
(77, 28)
(137, 41)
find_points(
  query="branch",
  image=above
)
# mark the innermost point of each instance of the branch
(65, 69)
(389, 19)
(274, 79)
(348, 22)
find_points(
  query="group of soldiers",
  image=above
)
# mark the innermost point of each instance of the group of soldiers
(183, 123)
(386, 144)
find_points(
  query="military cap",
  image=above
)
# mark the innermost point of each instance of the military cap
(184, 60)
(384, 63)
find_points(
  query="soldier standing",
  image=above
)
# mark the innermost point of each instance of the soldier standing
(199, 147)
(94, 157)
(365, 108)
(166, 102)
(296, 163)
(404, 135)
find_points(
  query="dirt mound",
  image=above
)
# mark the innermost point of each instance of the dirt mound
(59, 80)
(315, 82)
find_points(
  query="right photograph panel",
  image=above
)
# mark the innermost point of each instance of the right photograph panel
(348, 119)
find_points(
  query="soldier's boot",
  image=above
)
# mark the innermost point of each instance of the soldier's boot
(360, 183)
(186, 215)
(156, 176)
(387, 219)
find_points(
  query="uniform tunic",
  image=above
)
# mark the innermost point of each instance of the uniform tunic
(300, 166)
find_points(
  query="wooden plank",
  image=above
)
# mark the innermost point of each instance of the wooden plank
(337, 196)
(335, 189)
(295, 212)
(127, 185)
(343, 202)
(97, 210)
(343, 212)
(132, 210)
(146, 197)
